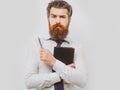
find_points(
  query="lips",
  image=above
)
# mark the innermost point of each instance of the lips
(58, 28)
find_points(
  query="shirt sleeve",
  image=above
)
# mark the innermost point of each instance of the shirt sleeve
(33, 78)
(41, 80)
(78, 75)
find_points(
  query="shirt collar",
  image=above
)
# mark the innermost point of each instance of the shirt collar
(59, 40)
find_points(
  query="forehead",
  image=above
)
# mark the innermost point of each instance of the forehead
(58, 11)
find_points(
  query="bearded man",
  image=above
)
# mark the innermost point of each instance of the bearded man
(39, 74)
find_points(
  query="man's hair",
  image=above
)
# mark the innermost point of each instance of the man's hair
(59, 4)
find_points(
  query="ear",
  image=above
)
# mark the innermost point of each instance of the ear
(69, 19)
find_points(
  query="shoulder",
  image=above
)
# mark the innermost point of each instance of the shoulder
(38, 40)
(74, 43)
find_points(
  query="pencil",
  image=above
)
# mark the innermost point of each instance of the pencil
(40, 42)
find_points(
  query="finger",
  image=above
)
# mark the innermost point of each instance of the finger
(73, 65)
(70, 64)
(41, 53)
(42, 49)
(42, 58)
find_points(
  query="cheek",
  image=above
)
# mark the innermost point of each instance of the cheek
(65, 23)
(51, 21)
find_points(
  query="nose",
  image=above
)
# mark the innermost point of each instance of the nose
(57, 20)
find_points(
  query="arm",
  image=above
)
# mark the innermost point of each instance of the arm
(41, 80)
(68, 74)
(33, 78)
(77, 75)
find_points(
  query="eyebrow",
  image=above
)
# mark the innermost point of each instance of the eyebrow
(56, 15)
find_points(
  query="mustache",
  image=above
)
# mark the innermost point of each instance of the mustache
(58, 25)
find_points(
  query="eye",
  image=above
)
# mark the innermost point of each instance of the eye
(63, 17)
(53, 16)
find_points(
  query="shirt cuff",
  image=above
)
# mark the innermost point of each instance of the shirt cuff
(55, 77)
(58, 66)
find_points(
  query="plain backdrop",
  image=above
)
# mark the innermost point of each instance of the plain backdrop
(95, 24)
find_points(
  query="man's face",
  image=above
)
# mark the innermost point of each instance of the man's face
(58, 23)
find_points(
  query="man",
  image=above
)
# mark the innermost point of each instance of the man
(39, 74)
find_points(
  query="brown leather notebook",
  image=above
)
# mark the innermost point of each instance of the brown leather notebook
(64, 54)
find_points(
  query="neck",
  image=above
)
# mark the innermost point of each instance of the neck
(56, 39)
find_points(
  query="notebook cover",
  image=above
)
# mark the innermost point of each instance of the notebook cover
(64, 54)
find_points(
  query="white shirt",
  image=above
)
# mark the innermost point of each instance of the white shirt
(39, 75)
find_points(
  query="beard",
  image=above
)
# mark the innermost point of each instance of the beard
(58, 31)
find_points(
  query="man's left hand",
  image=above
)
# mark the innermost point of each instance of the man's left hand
(47, 57)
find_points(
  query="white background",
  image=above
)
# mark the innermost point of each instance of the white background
(95, 23)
